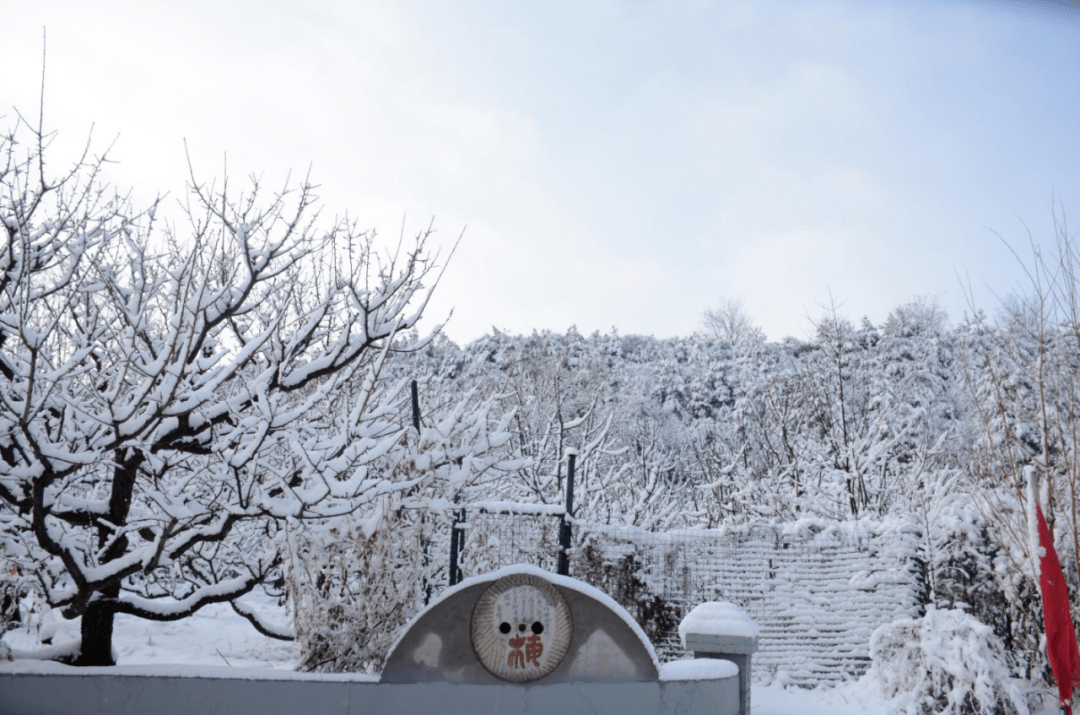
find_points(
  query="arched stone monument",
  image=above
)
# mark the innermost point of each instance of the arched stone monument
(522, 625)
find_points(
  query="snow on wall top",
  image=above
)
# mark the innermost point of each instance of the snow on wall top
(175, 670)
(698, 669)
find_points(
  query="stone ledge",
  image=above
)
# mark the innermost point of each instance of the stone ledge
(101, 694)
(716, 643)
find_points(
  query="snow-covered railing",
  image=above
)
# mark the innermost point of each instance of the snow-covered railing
(512, 507)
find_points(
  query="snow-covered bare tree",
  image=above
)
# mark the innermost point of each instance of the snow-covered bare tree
(555, 390)
(1022, 373)
(849, 456)
(729, 321)
(170, 395)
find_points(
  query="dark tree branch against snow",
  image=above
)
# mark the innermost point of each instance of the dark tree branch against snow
(267, 629)
(169, 394)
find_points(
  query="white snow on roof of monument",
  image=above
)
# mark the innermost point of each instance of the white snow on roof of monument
(718, 618)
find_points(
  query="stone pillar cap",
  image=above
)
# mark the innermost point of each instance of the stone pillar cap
(718, 623)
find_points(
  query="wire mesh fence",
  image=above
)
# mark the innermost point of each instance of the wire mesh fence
(497, 539)
(816, 589)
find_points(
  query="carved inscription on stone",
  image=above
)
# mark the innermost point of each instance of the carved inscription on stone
(521, 628)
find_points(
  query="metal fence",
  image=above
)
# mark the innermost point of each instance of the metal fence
(817, 589)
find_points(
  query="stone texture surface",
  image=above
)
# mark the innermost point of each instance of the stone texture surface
(716, 643)
(55, 694)
(521, 628)
(438, 646)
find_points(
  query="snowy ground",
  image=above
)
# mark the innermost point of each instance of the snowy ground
(217, 636)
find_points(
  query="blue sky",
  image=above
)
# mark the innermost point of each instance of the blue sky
(617, 164)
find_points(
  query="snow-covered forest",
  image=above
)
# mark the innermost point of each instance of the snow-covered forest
(916, 420)
(192, 412)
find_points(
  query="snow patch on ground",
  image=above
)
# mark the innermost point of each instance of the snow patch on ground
(43, 667)
(215, 635)
(853, 698)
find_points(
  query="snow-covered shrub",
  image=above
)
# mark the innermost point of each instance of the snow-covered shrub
(625, 580)
(967, 568)
(354, 585)
(356, 579)
(945, 663)
(975, 568)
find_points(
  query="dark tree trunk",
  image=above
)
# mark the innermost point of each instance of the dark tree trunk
(97, 631)
(97, 621)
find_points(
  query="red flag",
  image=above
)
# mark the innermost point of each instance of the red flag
(1060, 636)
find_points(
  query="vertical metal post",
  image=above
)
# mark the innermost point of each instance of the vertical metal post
(424, 561)
(564, 526)
(415, 408)
(461, 542)
(457, 543)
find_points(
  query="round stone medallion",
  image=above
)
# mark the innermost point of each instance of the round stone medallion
(521, 628)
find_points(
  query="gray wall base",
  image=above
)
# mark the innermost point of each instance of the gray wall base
(107, 694)
(742, 660)
(737, 649)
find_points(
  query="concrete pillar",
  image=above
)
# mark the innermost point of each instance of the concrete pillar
(723, 630)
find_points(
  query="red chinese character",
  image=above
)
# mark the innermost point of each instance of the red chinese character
(516, 659)
(534, 648)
